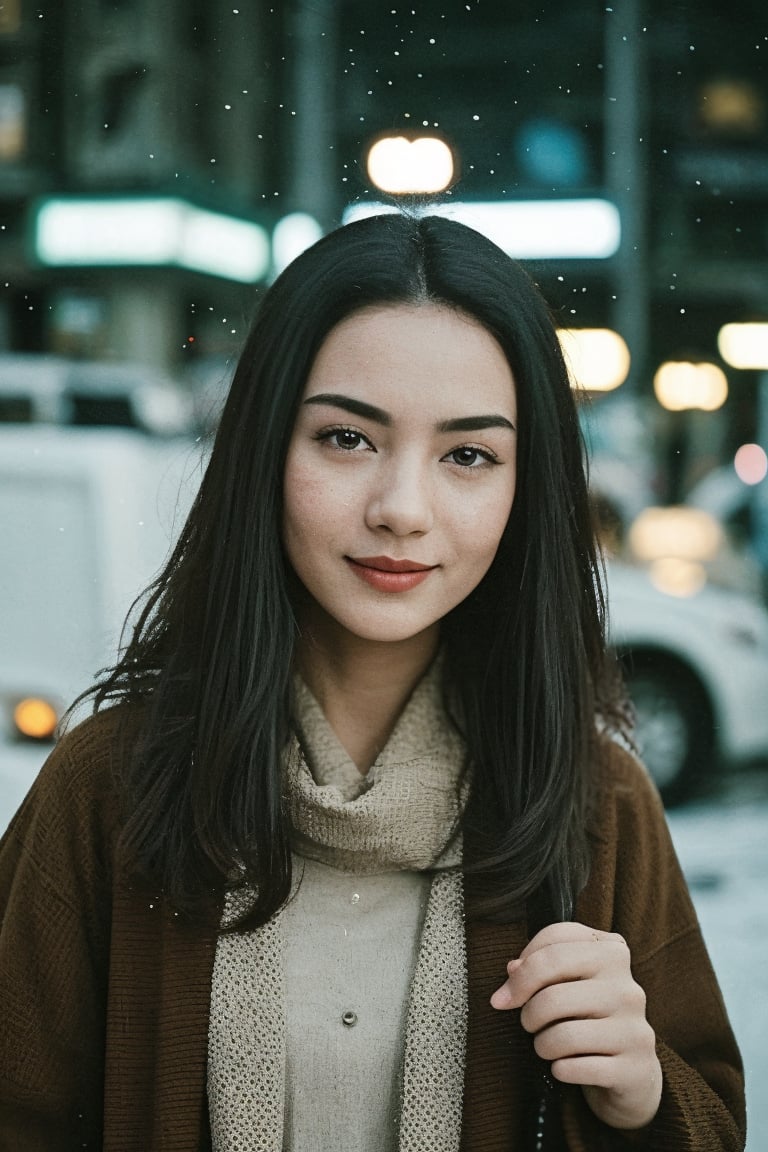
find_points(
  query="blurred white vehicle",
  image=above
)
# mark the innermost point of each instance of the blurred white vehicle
(54, 390)
(697, 670)
(87, 517)
(91, 455)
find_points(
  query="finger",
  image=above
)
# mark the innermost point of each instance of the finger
(504, 997)
(555, 964)
(579, 960)
(557, 954)
(573, 1000)
(615, 1037)
(568, 931)
(594, 1071)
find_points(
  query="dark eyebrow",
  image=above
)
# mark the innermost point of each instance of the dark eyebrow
(475, 424)
(379, 416)
(356, 407)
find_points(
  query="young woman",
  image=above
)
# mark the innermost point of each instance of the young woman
(354, 853)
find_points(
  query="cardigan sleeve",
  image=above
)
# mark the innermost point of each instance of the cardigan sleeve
(55, 890)
(641, 893)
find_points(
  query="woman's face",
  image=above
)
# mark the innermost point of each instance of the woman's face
(400, 472)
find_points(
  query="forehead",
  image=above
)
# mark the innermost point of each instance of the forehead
(404, 354)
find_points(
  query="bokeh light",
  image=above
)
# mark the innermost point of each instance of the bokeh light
(35, 718)
(677, 577)
(678, 532)
(751, 464)
(400, 165)
(680, 384)
(744, 345)
(597, 358)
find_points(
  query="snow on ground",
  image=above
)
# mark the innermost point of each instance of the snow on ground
(723, 847)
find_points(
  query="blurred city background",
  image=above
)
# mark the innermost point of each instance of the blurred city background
(160, 164)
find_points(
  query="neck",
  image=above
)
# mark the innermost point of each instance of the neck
(362, 686)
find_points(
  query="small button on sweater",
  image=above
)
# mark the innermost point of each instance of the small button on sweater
(348, 970)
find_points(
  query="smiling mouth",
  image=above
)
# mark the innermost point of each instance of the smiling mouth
(385, 564)
(387, 575)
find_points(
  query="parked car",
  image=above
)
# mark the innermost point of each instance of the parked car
(697, 670)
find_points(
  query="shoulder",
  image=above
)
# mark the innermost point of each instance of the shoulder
(75, 795)
(89, 757)
(621, 788)
(101, 736)
(626, 814)
(636, 886)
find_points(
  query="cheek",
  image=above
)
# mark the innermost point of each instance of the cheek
(310, 505)
(484, 527)
(297, 502)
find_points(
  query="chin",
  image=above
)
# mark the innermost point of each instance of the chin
(388, 635)
(386, 631)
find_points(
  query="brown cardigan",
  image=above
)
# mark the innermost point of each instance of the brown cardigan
(104, 991)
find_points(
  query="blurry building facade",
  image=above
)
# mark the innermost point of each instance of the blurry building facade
(129, 98)
(254, 110)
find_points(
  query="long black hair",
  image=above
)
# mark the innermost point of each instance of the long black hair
(211, 654)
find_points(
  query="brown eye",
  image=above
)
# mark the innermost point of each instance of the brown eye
(348, 439)
(468, 457)
(465, 456)
(345, 439)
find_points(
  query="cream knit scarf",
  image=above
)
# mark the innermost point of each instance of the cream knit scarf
(403, 814)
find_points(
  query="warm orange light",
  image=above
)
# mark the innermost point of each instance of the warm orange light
(732, 106)
(744, 345)
(677, 577)
(678, 532)
(680, 384)
(10, 17)
(401, 164)
(35, 718)
(597, 358)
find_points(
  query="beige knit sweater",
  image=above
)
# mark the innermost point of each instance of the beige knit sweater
(320, 997)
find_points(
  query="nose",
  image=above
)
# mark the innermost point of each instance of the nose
(401, 500)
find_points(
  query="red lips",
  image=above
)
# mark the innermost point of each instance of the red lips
(385, 564)
(388, 575)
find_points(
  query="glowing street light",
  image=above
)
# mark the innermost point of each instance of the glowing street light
(744, 345)
(402, 164)
(597, 358)
(680, 384)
